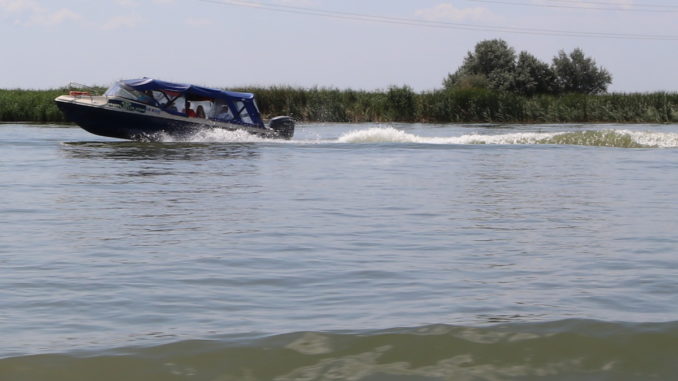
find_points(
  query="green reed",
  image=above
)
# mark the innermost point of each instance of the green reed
(464, 106)
(614, 108)
(30, 106)
(321, 104)
(402, 104)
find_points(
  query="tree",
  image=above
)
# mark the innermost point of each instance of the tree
(533, 76)
(466, 81)
(576, 73)
(493, 65)
(492, 59)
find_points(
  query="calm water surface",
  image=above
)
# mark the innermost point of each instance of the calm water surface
(363, 252)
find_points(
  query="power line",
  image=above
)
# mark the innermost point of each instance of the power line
(433, 24)
(589, 6)
(597, 2)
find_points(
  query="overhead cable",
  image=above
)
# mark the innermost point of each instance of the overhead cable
(433, 24)
(614, 3)
(588, 5)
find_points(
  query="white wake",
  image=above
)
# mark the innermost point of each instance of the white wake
(609, 138)
(375, 135)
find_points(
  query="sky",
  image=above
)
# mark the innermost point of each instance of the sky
(358, 44)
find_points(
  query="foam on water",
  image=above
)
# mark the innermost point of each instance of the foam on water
(375, 135)
(392, 135)
(654, 139)
(212, 136)
(604, 138)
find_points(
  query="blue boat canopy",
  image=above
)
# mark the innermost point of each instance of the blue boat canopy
(184, 99)
(156, 84)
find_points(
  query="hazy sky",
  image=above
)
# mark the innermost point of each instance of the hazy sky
(361, 44)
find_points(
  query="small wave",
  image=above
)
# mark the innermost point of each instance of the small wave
(603, 138)
(392, 135)
(380, 135)
(552, 351)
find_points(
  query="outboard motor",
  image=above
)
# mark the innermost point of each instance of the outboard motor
(283, 125)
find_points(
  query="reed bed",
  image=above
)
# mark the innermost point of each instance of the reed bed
(464, 106)
(30, 106)
(402, 104)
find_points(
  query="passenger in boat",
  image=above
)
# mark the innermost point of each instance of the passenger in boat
(189, 111)
(200, 112)
(224, 113)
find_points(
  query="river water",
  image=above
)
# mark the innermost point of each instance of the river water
(352, 252)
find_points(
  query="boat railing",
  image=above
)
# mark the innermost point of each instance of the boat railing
(79, 90)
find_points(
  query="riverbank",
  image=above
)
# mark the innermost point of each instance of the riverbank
(401, 104)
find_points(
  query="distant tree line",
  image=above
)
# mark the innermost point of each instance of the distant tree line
(493, 65)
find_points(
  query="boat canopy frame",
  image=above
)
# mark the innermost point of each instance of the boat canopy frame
(242, 105)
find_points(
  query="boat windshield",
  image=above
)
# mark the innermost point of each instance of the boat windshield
(120, 90)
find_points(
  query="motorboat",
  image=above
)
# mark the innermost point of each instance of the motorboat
(151, 109)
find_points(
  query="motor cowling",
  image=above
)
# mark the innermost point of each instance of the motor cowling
(283, 126)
